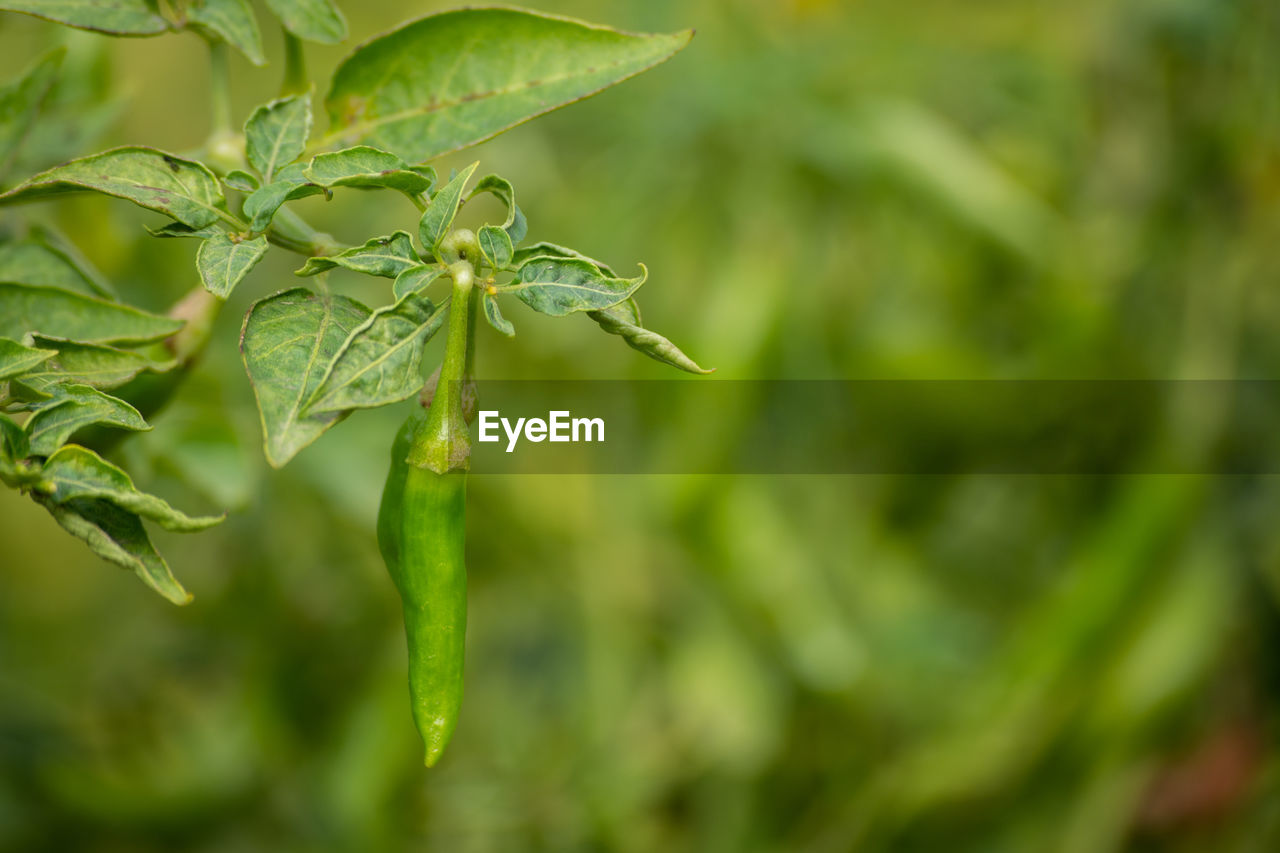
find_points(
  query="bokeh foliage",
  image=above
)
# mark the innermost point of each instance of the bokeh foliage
(820, 190)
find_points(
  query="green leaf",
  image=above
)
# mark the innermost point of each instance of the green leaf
(494, 316)
(560, 286)
(13, 449)
(184, 189)
(114, 17)
(383, 256)
(118, 537)
(381, 360)
(15, 359)
(516, 226)
(44, 260)
(72, 408)
(415, 279)
(435, 221)
(551, 250)
(239, 179)
(287, 344)
(366, 167)
(276, 134)
(624, 319)
(60, 313)
(223, 262)
(261, 205)
(88, 364)
(313, 20)
(495, 244)
(177, 229)
(20, 103)
(231, 21)
(455, 78)
(74, 472)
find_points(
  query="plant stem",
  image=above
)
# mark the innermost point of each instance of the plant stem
(295, 66)
(444, 443)
(290, 231)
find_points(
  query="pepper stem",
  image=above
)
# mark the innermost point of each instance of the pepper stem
(443, 442)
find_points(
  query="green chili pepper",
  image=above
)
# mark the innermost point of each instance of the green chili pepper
(422, 535)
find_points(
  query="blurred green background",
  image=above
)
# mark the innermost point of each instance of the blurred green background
(871, 189)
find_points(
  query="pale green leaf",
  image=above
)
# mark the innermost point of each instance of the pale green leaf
(623, 319)
(231, 21)
(560, 286)
(118, 537)
(20, 103)
(15, 359)
(380, 362)
(515, 225)
(114, 17)
(415, 279)
(366, 167)
(288, 343)
(494, 316)
(72, 408)
(239, 179)
(382, 256)
(74, 472)
(13, 449)
(223, 262)
(455, 78)
(276, 134)
(60, 313)
(495, 244)
(184, 189)
(313, 20)
(435, 221)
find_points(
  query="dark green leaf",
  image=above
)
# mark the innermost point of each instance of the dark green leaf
(415, 279)
(239, 179)
(177, 229)
(380, 362)
(496, 246)
(114, 17)
(515, 224)
(184, 189)
(383, 256)
(288, 343)
(551, 250)
(456, 78)
(366, 167)
(74, 407)
(261, 205)
(15, 359)
(624, 319)
(223, 262)
(560, 286)
(437, 218)
(313, 20)
(20, 103)
(46, 261)
(62, 314)
(276, 134)
(118, 537)
(89, 364)
(231, 21)
(494, 316)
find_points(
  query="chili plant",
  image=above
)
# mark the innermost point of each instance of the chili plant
(78, 363)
